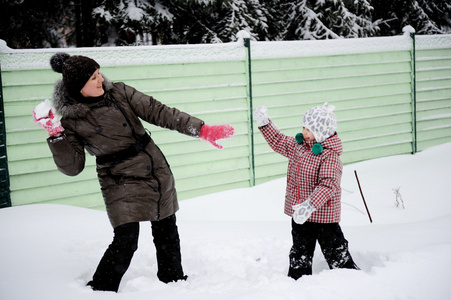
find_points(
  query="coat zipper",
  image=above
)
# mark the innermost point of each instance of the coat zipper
(297, 176)
(160, 194)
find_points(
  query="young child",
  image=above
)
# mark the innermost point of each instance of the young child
(313, 193)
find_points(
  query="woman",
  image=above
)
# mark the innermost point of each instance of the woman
(137, 184)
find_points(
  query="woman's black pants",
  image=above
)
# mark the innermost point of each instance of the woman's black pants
(333, 245)
(119, 254)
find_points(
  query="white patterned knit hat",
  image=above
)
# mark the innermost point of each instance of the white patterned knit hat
(321, 121)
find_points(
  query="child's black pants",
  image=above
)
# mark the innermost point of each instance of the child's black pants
(333, 245)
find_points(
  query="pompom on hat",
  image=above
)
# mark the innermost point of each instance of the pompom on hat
(321, 121)
(76, 70)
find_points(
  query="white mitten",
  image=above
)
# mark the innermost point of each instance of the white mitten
(44, 115)
(303, 211)
(261, 116)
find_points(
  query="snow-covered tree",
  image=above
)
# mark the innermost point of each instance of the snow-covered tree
(37, 23)
(303, 23)
(218, 21)
(238, 15)
(440, 12)
(129, 22)
(194, 21)
(348, 18)
(328, 19)
(426, 16)
(82, 23)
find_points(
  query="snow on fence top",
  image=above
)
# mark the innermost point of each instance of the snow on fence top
(24, 59)
(425, 42)
(261, 50)
(28, 59)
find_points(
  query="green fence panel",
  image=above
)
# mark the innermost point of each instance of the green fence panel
(207, 81)
(433, 90)
(373, 83)
(368, 80)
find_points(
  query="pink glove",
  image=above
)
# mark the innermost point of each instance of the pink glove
(44, 115)
(216, 132)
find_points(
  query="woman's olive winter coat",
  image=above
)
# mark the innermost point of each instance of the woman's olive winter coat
(135, 188)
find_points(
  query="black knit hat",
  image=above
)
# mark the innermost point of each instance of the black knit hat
(76, 70)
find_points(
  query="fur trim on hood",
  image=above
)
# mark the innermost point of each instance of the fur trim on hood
(68, 106)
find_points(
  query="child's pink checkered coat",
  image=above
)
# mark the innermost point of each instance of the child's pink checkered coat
(310, 176)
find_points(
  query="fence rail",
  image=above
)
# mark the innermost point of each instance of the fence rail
(392, 98)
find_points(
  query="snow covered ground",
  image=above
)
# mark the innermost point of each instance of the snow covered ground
(235, 244)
